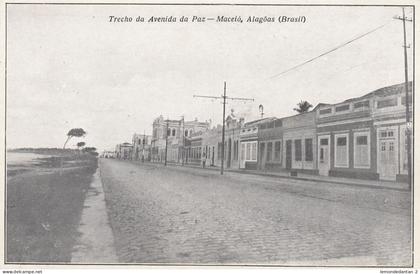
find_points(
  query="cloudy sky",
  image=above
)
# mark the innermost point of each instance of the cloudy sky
(68, 66)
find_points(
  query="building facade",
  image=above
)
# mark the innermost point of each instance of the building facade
(391, 130)
(169, 138)
(299, 142)
(364, 137)
(270, 138)
(248, 143)
(141, 147)
(124, 151)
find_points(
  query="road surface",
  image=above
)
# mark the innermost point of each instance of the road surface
(184, 215)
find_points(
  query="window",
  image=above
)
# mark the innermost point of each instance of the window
(248, 151)
(324, 142)
(269, 151)
(387, 103)
(342, 108)
(386, 133)
(173, 132)
(363, 104)
(383, 146)
(298, 150)
(308, 150)
(168, 132)
(410, 100)
(242, 152)
(325, 111)
(362, 150)
(277, 151)
(341, 150)
(186, 133)
(278, 123)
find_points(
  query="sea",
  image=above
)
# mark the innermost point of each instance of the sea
(23, 158)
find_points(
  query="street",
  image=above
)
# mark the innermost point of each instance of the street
(186, 215)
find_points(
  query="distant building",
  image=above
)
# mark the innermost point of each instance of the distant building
(141, 147)
(124, 151)
(108, 154)
(176, 131)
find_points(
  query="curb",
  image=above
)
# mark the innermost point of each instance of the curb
(282, 176)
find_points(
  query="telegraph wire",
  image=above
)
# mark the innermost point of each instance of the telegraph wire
(329, 51)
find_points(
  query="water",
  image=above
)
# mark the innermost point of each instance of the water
(23, 158)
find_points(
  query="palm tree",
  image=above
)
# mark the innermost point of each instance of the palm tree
(303, 106)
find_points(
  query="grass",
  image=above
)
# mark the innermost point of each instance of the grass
(44, 209)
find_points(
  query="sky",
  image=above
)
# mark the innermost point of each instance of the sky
(68, 66)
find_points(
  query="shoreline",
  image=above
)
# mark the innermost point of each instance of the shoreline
(44, 208)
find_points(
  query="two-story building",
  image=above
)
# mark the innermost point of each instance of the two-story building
(364, 137)
(169, 138)
(141, 147)
(389, 120)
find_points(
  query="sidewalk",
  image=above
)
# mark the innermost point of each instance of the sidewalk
(401, 186)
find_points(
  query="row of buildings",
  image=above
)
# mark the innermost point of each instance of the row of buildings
(362, 137)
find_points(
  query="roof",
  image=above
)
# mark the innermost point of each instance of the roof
(259, 121)
(381, 92)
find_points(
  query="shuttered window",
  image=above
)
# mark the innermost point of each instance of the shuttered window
(308, 150)
(277, 151)
(298, 150)
(269, 151)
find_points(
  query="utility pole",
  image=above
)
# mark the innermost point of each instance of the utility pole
(224, 98)
(166, 141)
(143, 144)
(183, 140)
(407, 107)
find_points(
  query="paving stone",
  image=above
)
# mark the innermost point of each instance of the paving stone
(168, 215)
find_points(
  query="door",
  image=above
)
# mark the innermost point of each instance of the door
(388, 154)
(262, 156)
(229, 156)
(324, 155)
(288, 154)
(242, 162)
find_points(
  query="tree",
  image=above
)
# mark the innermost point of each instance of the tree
(89, 149)
(303, 106)
(74, 132)
(80, 145)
